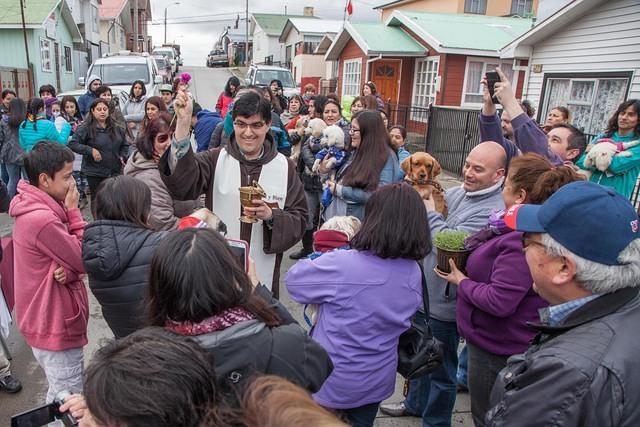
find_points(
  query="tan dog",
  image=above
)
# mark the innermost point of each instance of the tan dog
(420, 170)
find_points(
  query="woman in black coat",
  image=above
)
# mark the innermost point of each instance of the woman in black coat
(103, 145)
(117, 250)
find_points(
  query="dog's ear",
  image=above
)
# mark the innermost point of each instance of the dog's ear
(436, 169)
(406, 165)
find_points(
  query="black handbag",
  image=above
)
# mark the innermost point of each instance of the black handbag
(419, 352)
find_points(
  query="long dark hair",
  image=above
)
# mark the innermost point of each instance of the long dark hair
(158, 102)
(124, 198)
(69, 98)
(17, 113)
(612, 126)
(92, 124)
(371, 155)
(183, 288)
(146, 139)
(395, 224)
(232, 81)
(33, 108)
(144, 89)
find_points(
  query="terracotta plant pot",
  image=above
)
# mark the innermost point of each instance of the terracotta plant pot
(459, 257)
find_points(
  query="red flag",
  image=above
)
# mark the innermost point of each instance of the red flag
(349, 8)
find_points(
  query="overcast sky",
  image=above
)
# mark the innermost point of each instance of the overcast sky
(197, 24)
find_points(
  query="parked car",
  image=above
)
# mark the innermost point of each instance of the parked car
(164, 68)
(262, 75)
(171, 54)
(119, 70)
(217, 58)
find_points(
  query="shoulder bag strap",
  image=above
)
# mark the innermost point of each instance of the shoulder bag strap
(425, 293)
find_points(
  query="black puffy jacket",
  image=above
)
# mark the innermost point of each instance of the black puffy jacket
(116, 257)
(113, 148)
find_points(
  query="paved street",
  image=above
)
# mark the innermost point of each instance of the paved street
(206, 86)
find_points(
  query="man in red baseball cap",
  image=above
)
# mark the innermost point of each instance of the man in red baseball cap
(583, 249)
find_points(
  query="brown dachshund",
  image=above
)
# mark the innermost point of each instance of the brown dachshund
(421, 170)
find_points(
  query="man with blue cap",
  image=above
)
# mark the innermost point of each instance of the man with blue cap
(583, 249)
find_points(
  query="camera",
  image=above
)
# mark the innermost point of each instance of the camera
(45, 414)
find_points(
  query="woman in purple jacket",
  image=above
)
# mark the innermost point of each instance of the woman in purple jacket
(366, 297)
(496, 298)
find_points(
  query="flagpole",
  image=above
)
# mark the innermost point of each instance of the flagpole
(344, 14)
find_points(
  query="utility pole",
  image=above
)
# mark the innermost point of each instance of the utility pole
(165, 24)
(26, 49)
(246, 33)
(135, 25)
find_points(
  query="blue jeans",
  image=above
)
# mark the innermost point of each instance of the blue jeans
(434, 395)
(362, 416)
(463, 364)
(12, 172)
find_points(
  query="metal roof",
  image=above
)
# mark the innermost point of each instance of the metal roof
(273, 24)
(311, 27)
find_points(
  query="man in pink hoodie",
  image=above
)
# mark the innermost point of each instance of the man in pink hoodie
(51, 303)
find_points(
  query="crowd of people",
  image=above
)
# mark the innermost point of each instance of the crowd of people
(200, 336)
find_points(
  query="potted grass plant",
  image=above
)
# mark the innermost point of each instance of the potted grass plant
(450, 244)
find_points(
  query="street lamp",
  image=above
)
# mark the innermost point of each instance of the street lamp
(165, 19)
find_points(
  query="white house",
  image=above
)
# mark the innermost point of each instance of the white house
(586, 56)
(87, 16)
(265, 30)
(301, 37)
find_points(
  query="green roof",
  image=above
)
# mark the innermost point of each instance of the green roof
(468, 31)
(273, 24)
(380, 38)
(35, 12)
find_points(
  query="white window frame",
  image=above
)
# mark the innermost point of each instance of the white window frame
(478, 4)
(70, 58)
(45, 48)
(424, 90)
(521, 4)
(596, 80)
(485, 61)
(352, 82)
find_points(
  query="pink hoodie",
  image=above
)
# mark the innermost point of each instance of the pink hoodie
(50, 316)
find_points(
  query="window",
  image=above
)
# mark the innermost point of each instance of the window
(95, 23)
(45, 54)
(521, 7)
(68, 60)
(475, 71)
(475, 6)
(591, 100)
(121, 74)
(123, 38)
(424, 86)
(351, 77)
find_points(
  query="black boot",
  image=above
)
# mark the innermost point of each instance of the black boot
(307, 246)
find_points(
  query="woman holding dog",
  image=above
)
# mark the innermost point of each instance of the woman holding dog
(372, 164)
(495, 297)
(143, 165)
(376, 286)
(117, 250)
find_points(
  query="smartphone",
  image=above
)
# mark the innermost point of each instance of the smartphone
(492, 78)
(36, 417)
(240, 250)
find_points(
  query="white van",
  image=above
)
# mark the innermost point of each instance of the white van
(120, 70)
(170, 53)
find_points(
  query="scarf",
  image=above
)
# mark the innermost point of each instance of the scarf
(495, 227)
(218, 322)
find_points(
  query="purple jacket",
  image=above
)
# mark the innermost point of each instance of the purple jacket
(497, 301)
(365, 303)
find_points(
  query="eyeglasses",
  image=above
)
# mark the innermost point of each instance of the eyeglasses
(162, 137)
(243, 125)
(527, 241)
(352, 130)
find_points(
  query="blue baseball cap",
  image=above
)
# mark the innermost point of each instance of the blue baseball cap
(594, 222)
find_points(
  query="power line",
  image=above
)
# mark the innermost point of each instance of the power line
(197, 21)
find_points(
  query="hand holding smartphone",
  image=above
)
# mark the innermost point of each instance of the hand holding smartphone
(492, 78)
(240, 250)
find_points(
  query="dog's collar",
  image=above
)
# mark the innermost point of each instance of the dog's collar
(431, 182)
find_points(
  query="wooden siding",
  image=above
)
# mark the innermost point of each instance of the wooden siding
(604, 40)
(452, 79)
(350, 51)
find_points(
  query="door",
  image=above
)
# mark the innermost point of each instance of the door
(56, 57)
(386, 77)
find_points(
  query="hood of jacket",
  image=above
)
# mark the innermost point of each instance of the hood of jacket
(30, 199)
(137, 163)
(270, 151)
(109, 246)
(91, 79)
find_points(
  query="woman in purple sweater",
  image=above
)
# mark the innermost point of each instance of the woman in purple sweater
(366, 297)
(496, 298)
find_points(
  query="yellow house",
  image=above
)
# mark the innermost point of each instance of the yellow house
(524, 8)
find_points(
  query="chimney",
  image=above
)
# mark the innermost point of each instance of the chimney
(307, 11)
